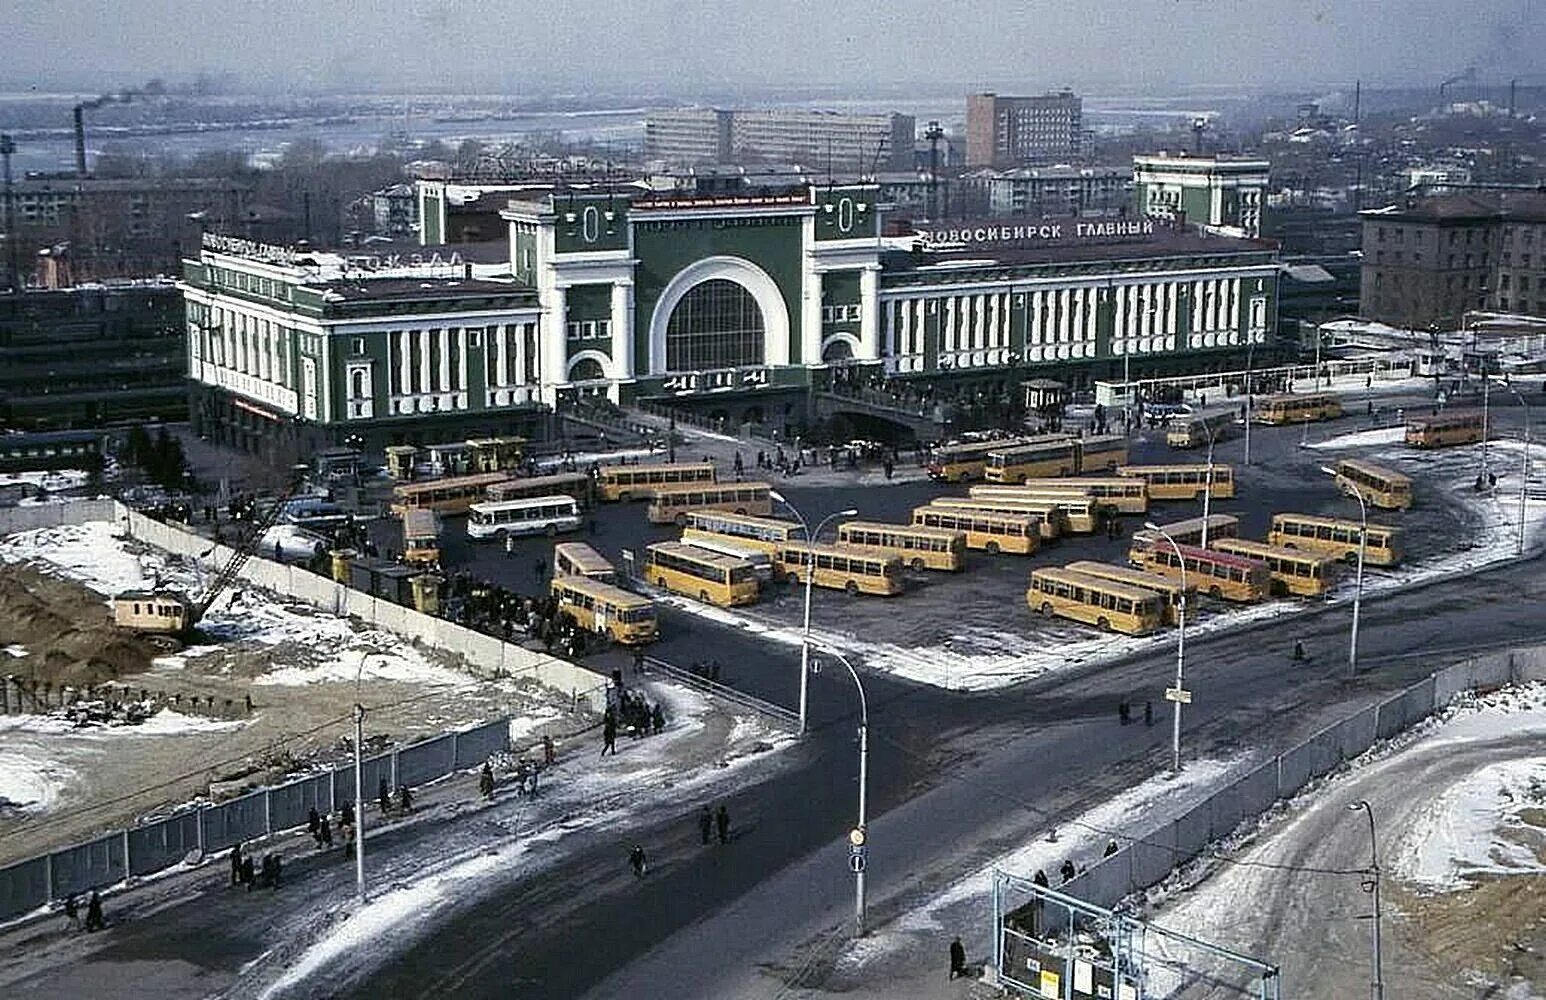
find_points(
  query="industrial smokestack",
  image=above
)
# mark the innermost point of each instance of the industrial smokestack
(80, 141)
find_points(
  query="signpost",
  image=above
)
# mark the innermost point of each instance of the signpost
(1178, 694)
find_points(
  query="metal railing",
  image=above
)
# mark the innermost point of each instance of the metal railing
(777, 714)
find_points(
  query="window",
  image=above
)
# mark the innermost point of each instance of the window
(717, 324)
(359, 345)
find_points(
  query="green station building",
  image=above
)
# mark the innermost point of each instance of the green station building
(752, 306)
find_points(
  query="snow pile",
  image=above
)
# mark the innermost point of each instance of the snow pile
(62, 479)
(169, 722)
(29, 783)
(369, 660)
(523, 726)
(92, 554)
(15, 649)
(1492, 823)
(1363, 439)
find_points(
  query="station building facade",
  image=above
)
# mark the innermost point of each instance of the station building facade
(743, 305)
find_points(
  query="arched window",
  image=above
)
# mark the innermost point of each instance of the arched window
(717, 324)
(357, 383)
(838, 351)
(586, 370)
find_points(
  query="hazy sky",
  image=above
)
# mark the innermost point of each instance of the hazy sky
(685, 45)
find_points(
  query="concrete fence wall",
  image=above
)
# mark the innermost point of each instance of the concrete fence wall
(213, 827)
(51, 515)
(1151, 858)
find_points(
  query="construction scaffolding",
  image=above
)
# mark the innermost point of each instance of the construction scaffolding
(1051, 946)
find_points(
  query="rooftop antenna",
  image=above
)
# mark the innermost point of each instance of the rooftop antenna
(934, 133)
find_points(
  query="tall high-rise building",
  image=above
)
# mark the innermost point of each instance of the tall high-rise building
(847, 143)
(1011, 131)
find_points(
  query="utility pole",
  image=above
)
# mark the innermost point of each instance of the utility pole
(13, 268)
(934, 133)
(1377, 975)
(359, 800)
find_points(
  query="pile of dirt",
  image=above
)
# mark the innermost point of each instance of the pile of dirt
(1495, 927)
(66, 630)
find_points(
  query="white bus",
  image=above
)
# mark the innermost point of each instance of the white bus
(536, 516)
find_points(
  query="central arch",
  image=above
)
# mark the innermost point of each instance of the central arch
(757, 282)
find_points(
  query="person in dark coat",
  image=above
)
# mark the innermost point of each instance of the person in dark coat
(609, 734)
(1148, 713)
(314, 824)
(722, 823)
(72, 909)
(1040, 878)
(705, 823)
(486, 782)
(957, 959)
(1068, 871)
(94, 919)
(404, 798)
(637, 861)
(384, 797)
(249, 876)
(236, 863)
(324, 834)
(658, 719)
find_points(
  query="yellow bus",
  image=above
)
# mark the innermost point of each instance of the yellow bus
(1288, 408)
(1453, 427)
(709, 576)
(575, 484)
(1048, 519)
(1189, 531)
(1336, 537)
(1072, 513)
(1218, 574)
(1100, 453)
(1183, 482)
(579, 559)
(638, 482)
(957, 463)
(670, 504)
(1119, 493)
(1197, 429)
(1379, 486)
(598, 606)
(920, 548)
(495, 454)
(1295, 573)
(1169, 590)
(421, 537)
(1106, 604)
(765, 533)
(988, 530)
(838, 567)
(1049, 455)
(451, 495)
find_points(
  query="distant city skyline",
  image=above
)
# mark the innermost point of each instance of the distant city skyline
(690, 47)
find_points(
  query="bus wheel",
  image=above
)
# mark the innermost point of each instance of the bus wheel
(992, 548)
(1351, 558)
(551, 530)
(740, 510)
(852, 588)
(1046, 609)
(1103, 623)
(681, 520)
(917, 564)
(703, 595)
(660, 582)
(624, 497)
(1214, 592)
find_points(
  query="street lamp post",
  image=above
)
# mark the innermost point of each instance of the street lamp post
(1363, 544)
(859, 838)
(359, 802)
(1207, 491)
(1377, 982)
(810, 576)
(1249, 348)
(1178, 693)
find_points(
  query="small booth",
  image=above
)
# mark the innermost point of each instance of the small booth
(426, 593)
(338, 462)
(448, 459)
(400, 460)
(495, 454)
(341, 560)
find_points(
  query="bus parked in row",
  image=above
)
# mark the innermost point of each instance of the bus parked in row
(575, 484)
(638, 482)
(1183, 482)
(598, 606)
(1046, 455)
(671, 504)
(1198, 429)
(764, 533)
(1100, 453)
(958, 463)
(452, 495)
(1189, 531)
(579, 559)
(1379, 486)
(1336, 537)
(1169, 591)
(1218, 574)
(711, 577)
(761, 560)
(1047, 519)
(918, 547)
(1106, 604)
(1289, 408)
(988, 530)
(1119, 493)
(536, 516)
(1294, 572)
(837, 567)
(1449, 428)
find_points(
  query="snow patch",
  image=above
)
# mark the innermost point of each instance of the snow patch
(1492, 823)
(92, 554)
(30, 784)
(1362, 439)
(15, 649)
(404, 665)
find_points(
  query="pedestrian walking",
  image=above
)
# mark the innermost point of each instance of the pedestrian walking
(549, 753)
(324, 834)
(609, 734)
(486, 782)
(1111, 848)
(722, 823)
(249, 877)
(637, 861)
(1148, 713)
(1068, 871)
(405, 799)
(1124, 714)
(1040, 878)
(658, 719)
(705, 823)
(236, 863)
(957, 959)
(509, 546)
(384, 797)
(72, 909)
(94, 919)
(314, 824)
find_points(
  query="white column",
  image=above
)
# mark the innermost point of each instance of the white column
(622, 330)
(869, 313)
(810, 320)
(462, 339)
(426, 382)
(554, 353)
(404, 385)
(499, 334)
(521, 373)
(445, 359)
